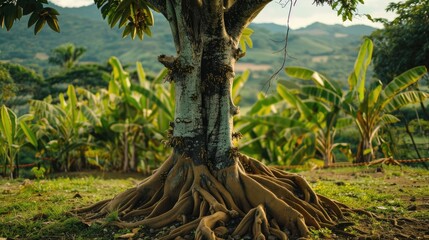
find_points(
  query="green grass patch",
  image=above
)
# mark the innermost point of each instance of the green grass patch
(39, 209)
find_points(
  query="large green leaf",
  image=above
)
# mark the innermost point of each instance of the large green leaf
(263, 103)
(8, 123)
(90, 115)
(120, 75)
(133, 101)
(388, 119)
(357, 77)
(63, 103)
(400, 83)
(141, 74)
(238, 84)
(152, 97)
(294, 101)
(405, 98)
(305, 74)
(161, 76)
(249, 126)
(71, 93)
(29, 134)
(374, 94)
(322, 93)
(26, 117)
(92, 98)
(113, 87)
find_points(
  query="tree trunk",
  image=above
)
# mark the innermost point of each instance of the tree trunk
(133, 156)
(327, 148)
(16, 170)
(203, 117)
(125, 156)
(363, 156)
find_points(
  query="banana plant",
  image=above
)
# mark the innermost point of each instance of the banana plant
(372, 107)
(14, 133)
(304, 120)
(369, 107)
(327, 119)
(272, 132)
(134, 116)
(62, 127)
(321, 113)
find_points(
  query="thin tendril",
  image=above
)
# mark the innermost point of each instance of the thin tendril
(284, 49)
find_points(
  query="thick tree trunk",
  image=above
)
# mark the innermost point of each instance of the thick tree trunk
(203, 122)
(203, 73)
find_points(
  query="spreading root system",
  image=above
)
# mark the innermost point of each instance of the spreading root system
(245, 199)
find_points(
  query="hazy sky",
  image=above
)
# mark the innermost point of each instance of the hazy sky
(303, 13)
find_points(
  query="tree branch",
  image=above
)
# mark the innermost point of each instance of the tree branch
(213, 16)
(241, 13)
(161, 6)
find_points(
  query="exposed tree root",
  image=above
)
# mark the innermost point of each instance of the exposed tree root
(247, 199)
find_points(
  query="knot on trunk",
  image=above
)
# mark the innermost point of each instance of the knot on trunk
(238, 53)
(177, 68)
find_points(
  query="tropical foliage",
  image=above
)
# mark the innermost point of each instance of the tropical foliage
(130, 120)
(120, 127)
(14, 133)
(299, 122)
(371, 107)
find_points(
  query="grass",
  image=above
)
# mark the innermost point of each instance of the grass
(392, 194)
(365, 188)
(38, 209)
(32, 209)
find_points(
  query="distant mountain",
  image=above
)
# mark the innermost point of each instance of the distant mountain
(337, 30)
(330, 49)
(272, 27)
